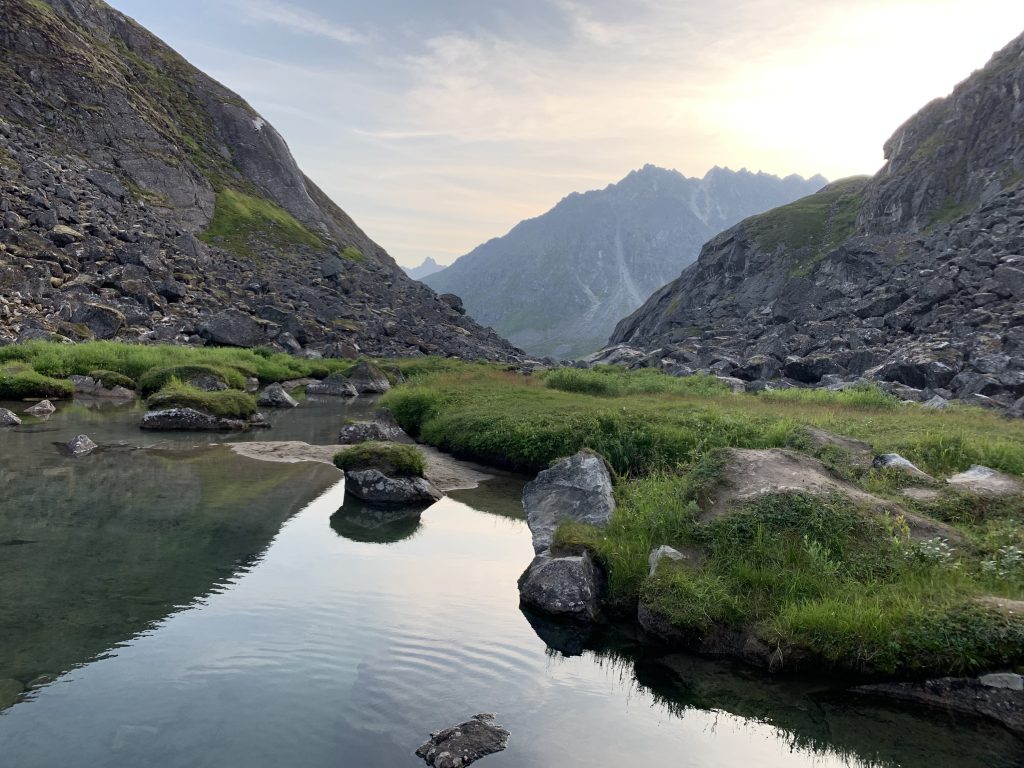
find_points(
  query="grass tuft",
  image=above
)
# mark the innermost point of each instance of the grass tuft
(390, 458)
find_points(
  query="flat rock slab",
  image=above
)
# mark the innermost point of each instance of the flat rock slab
(751, 474)
(987, 482)
(465, 743)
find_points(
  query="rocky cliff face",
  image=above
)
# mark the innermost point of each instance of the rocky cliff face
(557, 284)
(912, 277)
(142, 200)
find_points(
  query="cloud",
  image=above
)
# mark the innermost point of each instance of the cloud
(300, 20)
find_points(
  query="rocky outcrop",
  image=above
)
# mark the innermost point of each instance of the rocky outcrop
(191, 420)
(274, 396)
(465, 743)
(335, 385)
(557, 284)
(142, 200)
(374, 487)
(90, 387)
(578, 488)
(368, 379)
(909, 279)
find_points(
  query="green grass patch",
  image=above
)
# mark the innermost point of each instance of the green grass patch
(228, 403)
(351, 253)
(19, 383)
(616, 381)
(157, 378)
(112, 379)
(243, 223)
(389, 458)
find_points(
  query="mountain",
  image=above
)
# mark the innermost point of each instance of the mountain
(428, 267)
(914, 276)
(142, 200)
(557, 284)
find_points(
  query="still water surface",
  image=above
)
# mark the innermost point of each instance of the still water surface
(199, 609)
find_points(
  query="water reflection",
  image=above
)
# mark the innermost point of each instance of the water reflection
(358, 521)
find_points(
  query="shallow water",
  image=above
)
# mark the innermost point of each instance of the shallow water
(203, 609)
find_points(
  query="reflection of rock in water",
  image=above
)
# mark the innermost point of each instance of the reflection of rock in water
(358, 521)
(568, 638)
(98, 550)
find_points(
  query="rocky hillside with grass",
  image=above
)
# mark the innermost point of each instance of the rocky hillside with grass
(141, 200)
(557, 284)
(912, 277)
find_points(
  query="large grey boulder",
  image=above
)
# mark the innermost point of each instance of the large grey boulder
(578, 488)
(274, 396)
(102, 321)
(191, 420)
(373, 486)
(232, 328)
(564, 587)
(335, 385)
(368, 379)
(8, 419)
(382, 429)
(465, 743)
(41, 410)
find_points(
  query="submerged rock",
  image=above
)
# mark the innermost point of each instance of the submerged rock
(382, 429)
(577, 488)
(81, 446)
(335, 385)
(564, 587)
(191, 420)
(8, 419)
(41, 410)
(274, 396)
(375, 487)
(465, 743)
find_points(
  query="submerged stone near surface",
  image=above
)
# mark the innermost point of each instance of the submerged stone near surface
(577, 488)
(191, 420)
(373, 486)
(8, 419)
(564, 587)
(274, 396)
(81, 445)
(335, 385)
(42, 409)
(465, 743)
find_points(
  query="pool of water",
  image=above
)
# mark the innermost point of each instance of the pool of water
(175, 604)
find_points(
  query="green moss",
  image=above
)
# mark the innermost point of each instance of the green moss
(111, 379)
(389, 458)
(18, 384)
(351, 253)
(229, 403)
(243, 223)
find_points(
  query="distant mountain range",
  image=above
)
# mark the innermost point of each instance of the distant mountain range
(557, 284)
(428, 267)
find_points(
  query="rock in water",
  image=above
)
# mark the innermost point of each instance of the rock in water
(382, 429)
(81, 446)
(465, 743)
(8, 419)
(368, 379)
(191, 420)
(335, 385)
(563, 587)
(577, 488)
(274, 396)
(373, 486)
(41, 410)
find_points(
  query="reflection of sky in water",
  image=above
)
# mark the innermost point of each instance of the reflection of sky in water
(330, 652)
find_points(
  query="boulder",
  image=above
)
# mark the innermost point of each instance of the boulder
(87, 385)
(368, 379)
(335, 385)
(41, 410)
(987, 482)
(664, 552)
(577, 488)
(233, 328)
(373, 486)
(274, 396)
(897, 462)
(62, 235)
(208, 382)
(563, 587)
(937, 403)
(465, 743)
(383, 429)
(102, 321)
(81, 446)
(919, 371)
(8, 419)
(191, 420)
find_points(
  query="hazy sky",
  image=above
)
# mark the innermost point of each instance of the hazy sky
(438, 124)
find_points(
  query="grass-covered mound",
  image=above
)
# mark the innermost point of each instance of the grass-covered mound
(810, 577)
(157, 378)
(228, 403)
(392, 459)
(18, 382)
(111, 379)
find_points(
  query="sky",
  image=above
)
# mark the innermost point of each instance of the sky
(439, 124)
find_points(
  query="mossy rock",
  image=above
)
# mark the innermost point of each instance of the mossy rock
(229, 403)
(111, 379)
(156, 379)
(389, 458)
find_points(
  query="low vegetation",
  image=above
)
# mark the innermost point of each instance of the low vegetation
(227, 403)
(242, 223)
(390, 458)
(808, 576)
(19, 382)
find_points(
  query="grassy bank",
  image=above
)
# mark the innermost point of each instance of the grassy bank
(808, 576)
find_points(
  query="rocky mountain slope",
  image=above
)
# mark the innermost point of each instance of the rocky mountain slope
(913, 277)
(427, 267)
(556, 285)
(141, 200)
